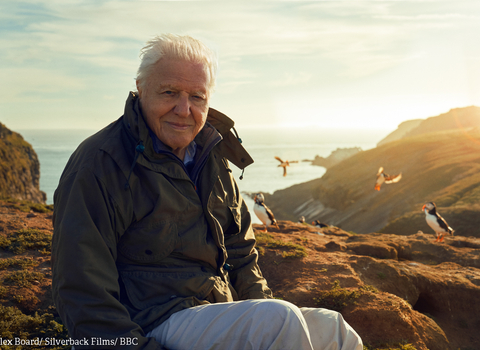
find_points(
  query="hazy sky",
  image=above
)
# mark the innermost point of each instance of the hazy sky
(369, 64)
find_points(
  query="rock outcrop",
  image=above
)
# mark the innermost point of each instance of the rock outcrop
(336, 157)
(19, 168)
(390, 288)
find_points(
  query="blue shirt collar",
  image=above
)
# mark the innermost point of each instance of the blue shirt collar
(160, 147)
(190, 153)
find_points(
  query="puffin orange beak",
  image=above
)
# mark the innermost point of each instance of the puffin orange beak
(423, 208)
(255, 198)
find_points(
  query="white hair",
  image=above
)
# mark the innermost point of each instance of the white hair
(177, 47)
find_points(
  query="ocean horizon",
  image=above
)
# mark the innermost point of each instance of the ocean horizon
(54, 148)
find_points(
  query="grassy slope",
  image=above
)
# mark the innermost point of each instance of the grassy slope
(442, 167)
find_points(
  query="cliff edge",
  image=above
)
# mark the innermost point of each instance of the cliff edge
(19, 168)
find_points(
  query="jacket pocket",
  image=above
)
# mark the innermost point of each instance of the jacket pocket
(149, 243)
(149, 288)
(236, 224)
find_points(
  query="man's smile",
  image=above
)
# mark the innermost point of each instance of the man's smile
(178, 126)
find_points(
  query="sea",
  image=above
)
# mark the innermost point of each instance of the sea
(54, 148)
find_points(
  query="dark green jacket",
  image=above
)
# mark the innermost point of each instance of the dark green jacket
(135, 239)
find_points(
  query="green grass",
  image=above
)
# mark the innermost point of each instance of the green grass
(23, 278)
(263, 237)
(15, 324)
(26, 239)
(22, 263)
(338, 298)
(28, 206)
(290, 250)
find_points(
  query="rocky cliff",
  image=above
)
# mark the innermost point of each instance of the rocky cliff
(441, 166)
(19, 168)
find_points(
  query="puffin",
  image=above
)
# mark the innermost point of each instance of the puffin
(382, 177)
(318, 223)
(263, 212)
(436, 222)
(284, 164)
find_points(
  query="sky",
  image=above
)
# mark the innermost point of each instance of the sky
(297, 64)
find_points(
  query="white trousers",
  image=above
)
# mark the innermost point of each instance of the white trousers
(266, 324)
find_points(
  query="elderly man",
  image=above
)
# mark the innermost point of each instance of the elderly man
(153, 246)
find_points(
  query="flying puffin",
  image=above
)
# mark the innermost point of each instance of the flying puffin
(382, 177)
(284, 164)
(436, 222)
(263, 212)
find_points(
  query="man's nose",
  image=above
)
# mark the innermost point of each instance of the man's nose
(182, 108)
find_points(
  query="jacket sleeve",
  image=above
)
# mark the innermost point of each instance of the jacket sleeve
(245, 274)
(85, 278)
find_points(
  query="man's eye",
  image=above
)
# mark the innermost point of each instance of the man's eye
(167, 92)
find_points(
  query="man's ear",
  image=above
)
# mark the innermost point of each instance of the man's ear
(139, 88)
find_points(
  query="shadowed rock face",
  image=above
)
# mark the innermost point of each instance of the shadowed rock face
(427, 293)
(19, 168)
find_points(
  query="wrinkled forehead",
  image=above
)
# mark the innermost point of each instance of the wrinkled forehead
(180, 73)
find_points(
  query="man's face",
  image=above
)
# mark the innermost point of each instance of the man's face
(174, 102)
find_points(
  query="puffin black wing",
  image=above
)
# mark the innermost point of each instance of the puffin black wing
(270, 214)
(443, 224)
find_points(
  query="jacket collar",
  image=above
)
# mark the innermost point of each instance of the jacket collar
(230, 147)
